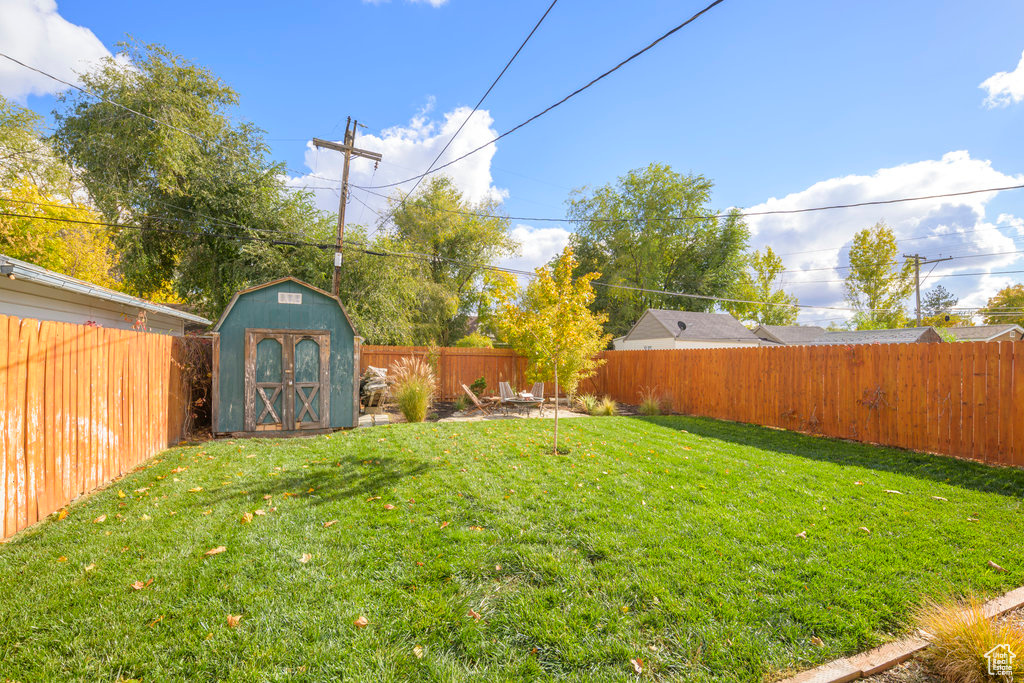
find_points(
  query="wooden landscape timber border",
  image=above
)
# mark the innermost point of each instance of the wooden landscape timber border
(961, 399)
(79, 406)
(889, 655)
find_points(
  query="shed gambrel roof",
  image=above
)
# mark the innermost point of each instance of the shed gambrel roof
(702, 326)
(902, 335)
(239, 293)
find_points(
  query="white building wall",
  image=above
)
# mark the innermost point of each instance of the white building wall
(30, 300)
(673, 343)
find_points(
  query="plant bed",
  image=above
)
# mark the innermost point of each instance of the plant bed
(686, 548)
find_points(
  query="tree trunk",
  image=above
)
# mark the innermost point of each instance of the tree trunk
(556, 408)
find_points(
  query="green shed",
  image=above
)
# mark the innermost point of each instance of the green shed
(285, 361)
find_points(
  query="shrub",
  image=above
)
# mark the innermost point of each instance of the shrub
(478, 386)
(461, 403)
(651, 402)
(606, 407)
(960, 636)
(412, 386)
(475, 341)
(587, 403)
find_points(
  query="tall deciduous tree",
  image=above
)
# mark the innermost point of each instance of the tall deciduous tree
(459, 239)
(550, 323)
(199, 183)
(1005, 307)
(654, 229)
(758, 283)
(877, 285)
(937, 309)
(39, 191)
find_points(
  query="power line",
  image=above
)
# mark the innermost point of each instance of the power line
(104, 99)
(684, 217)
(482, 98)
(360, 246)
(561, 101)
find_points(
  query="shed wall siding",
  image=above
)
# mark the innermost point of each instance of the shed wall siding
(260, 309)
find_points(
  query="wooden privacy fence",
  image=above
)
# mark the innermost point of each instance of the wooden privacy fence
(961, 399)
(456, 366)
(79, 406)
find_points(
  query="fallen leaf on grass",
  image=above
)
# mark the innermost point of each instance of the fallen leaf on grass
(246, 518)
(62, 558)
(476, 528)
(62, 514)
(638, 665)
(215, 551)
(418, 651)
(233, 620)
(817, 642)
(267, 497)
(898, 493)
(306, 557)
(208, 512)
(100, 519)
(330, 523)
(996, 566)
(389, 506)
(865, 529)
(361, 622)
(802, 534)
(940, 498)
(259, 513)
(176, 470)
(195, 489)
(473, 613)
(121, 494)
(156, 621)
(139, 585)
(90, 567)
(858, 483)
(444, 524)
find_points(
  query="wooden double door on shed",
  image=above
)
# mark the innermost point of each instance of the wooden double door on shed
(287, 380)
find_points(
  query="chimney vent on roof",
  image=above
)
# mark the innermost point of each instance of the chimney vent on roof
(682, 325)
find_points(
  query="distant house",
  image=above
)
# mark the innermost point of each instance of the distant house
(988, 333)
(772, 335)
(902, 335)
(28, 291)
(664, 329)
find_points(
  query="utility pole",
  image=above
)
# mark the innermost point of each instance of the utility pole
(349, 150)
(918, 262)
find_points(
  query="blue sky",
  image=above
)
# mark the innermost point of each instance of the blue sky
(807, 102)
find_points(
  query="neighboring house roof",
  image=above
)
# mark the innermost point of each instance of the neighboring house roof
(41, 276)
(789, 334)
(983, 332)
(903, 335)
(702, 326)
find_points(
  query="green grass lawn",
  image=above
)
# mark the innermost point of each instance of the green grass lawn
(672, 540)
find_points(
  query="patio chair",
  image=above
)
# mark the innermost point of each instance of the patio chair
(508, 397)
(538, 393)
(476, 401)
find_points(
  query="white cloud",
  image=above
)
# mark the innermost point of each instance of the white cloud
(815, 244)
(1006, 87)
(537, 246)
(33, 32)
(407, 151)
